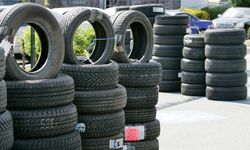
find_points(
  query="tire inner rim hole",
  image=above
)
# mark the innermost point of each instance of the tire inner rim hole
(30, 47)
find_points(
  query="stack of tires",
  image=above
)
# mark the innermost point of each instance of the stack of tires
(168, 44)
(225, 65)
(192, 66)
(6, 123)
(141, 80)
(99, 98)
(40, 101)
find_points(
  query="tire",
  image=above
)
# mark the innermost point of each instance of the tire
(190, 65)
(170, 75)
(140, 115)
(93, 77)
(140, 74)
(61, 142)
(103, 29)
(151, 132)
(142, 97)
(45, 93)
(150, 10)
(102, 101)
(152, 20)
(171, 20)
(101, 143)
(3, 97)
(43, 123)
(167, 50)
(49, 31)
(170, 86)
(226, 93)
(226, 79)
(169, 29)
(144, 145)
(6, 131)
(169, 62)
(102, 125)
(194, 41)
(225, 66)
(194, 53)
(193, 77)
(142, 36)
(193, 89)
(226, 51)
(2, 63)
(168, 39)
(225, 36)
(121, 8)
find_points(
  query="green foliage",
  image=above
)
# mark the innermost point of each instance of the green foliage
(83, 38)
(196, 12)
(213, 12)
(241, 3)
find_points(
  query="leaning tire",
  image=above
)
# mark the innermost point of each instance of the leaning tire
(103, 30)
(142, 36)
(49, 31)
(2, 63)
(6, 131)
(226, 93)
(3, 96)
(61, 142)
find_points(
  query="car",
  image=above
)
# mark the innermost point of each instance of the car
(237, 17)
(195, 24)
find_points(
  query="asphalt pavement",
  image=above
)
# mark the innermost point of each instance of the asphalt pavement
(196, 123)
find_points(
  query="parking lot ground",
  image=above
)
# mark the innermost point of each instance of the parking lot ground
(195, 123)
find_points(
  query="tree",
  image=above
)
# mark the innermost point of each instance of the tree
(241, 3)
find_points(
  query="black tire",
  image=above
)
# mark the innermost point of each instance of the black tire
(103, 29)
(102, 101)
(225, 36)
(167, 50)
(193, 77)
(6, 131)
(71, 141)
(170, 75)
(140, 115)
(168, 39)
(169, 29)
(144, 145)
(45, 93)
(93, 77)
(142, 97)
(121, 8)
(43, 123)
(169, 62)
(171, 20)
(142, 36)
(3, 96)
(152, 20)
(151, 132)
(226, 51)
(170, 86)
(194, 40)
(102, 143)
(194, 53)
(226, 79)
(102, 125)
(226, 93)
(2, 63)
(49, 31)
(140, 74)
(190, 65)
(225, 66)
(193, 89)
(150, 10)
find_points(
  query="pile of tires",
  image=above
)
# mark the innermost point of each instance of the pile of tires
(225, 65)
(99, 99)
(192, 66)
(168, 44)
(6, 122)
(141, 80)
(40, 101)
